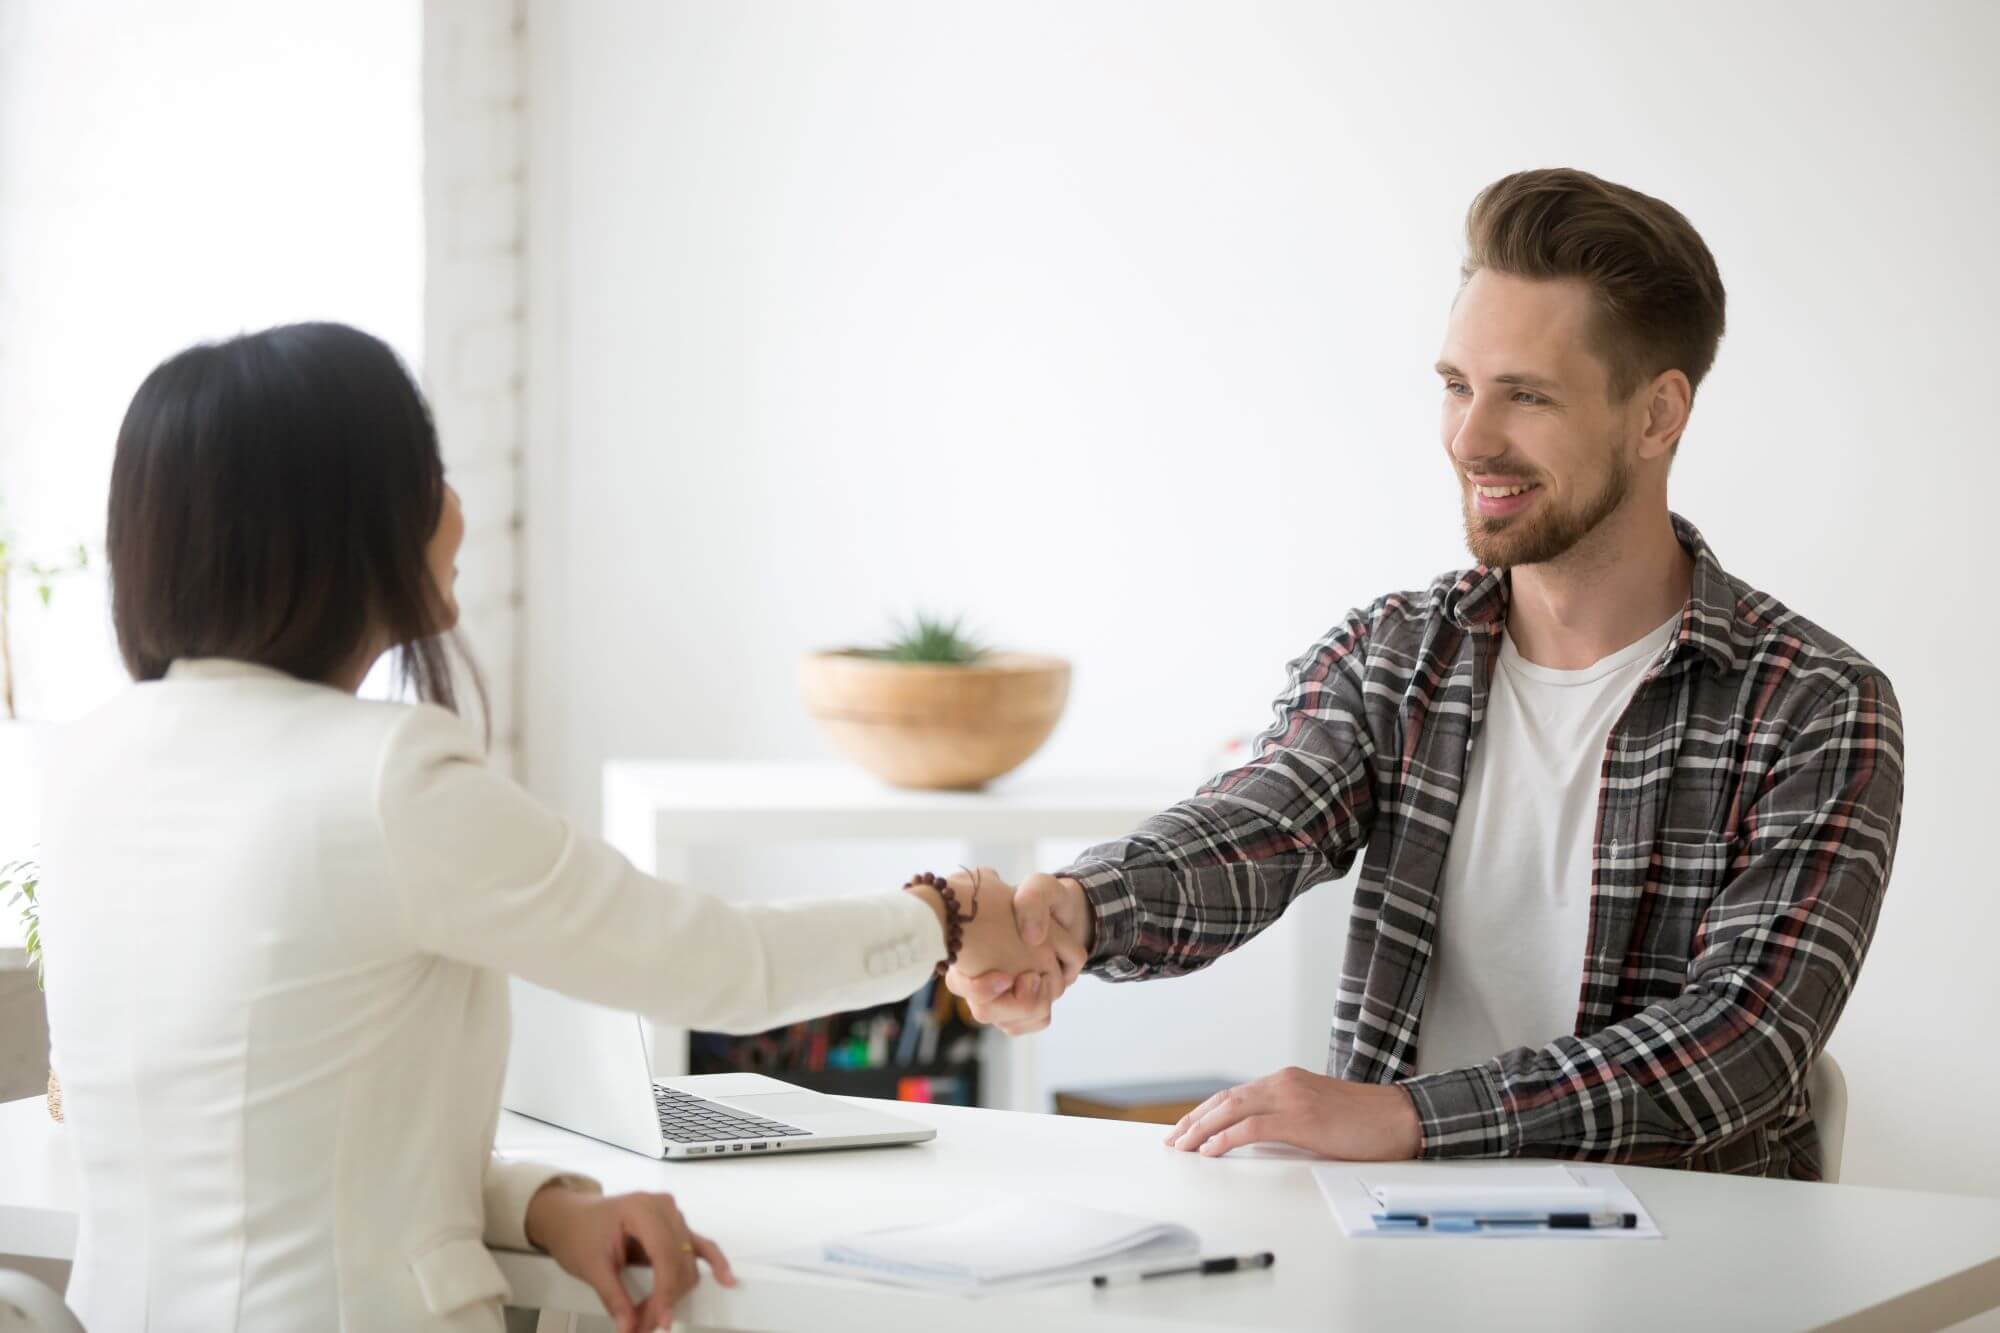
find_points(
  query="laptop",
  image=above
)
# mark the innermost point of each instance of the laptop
(583, 1067)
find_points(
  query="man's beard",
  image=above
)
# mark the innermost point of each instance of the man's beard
(1547, 532)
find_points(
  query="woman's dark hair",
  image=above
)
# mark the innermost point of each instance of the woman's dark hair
(272, 499)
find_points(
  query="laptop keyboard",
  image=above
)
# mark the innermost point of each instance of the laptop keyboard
(685, 1118)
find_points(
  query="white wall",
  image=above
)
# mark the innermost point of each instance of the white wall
(1110, 324)
(169, 172)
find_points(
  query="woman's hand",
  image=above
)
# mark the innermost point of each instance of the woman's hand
(594, 1236)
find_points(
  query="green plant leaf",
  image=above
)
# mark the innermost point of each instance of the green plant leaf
(929, 639)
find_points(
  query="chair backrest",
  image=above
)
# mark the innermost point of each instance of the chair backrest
(1828, 1088)
(28, 1306)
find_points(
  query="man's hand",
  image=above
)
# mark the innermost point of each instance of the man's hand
(594, 1237)
(1017, 1002)
(993, 944)
(1355, 1122)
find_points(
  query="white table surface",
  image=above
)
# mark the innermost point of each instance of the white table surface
(1738, 1254)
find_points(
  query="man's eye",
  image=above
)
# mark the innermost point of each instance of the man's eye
(1531, 399)
(1453, 386)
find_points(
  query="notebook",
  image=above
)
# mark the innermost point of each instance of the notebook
(1002, 1245)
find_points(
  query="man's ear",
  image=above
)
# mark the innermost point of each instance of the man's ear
(1668, 399)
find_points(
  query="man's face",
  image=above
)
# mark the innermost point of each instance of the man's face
(1527, 405)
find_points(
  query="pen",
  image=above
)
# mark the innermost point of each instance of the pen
(1471, 1222)
(1231, 1264)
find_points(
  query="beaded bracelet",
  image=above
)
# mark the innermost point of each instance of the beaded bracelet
(954, 919)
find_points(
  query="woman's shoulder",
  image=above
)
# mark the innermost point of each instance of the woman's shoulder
(232, 715)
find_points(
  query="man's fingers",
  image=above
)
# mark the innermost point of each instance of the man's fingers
(1187, 1121)
(1223, 1110)
(1250, 1129)
(718, 1262)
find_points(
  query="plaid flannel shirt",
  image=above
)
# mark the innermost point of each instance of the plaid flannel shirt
(1747, 818)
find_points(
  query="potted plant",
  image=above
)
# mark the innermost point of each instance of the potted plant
(932, 708)
(42, 575)
(19, 881)
(18, 736)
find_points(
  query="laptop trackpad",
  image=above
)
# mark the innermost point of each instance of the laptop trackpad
(787, 1106)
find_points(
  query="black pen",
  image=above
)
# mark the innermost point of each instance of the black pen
(1473, 1222)
(1232, 1263)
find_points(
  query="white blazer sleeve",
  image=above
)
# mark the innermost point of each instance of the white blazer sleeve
(508, 1187)
(488, 875)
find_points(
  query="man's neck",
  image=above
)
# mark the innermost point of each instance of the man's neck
(1619, 583)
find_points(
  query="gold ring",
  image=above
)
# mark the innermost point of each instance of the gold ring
(687, 1247)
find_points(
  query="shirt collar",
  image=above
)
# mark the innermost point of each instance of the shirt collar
(1478, 602)
(223, 668)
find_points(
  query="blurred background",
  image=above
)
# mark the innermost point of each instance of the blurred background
(751, 327)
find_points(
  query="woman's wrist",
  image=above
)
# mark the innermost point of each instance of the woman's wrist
(548, 1205)
(934, 900)
(954, 912)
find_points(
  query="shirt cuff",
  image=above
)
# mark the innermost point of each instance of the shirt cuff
(509, 1186)
(1113, 906)
(923, 924)
(1464, 1113)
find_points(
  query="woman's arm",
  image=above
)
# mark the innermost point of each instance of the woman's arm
(487, 874)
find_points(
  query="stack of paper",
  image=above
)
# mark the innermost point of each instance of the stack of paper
(1011, 1243)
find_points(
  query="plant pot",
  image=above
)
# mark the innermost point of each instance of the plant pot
(55, 1098)
(931, 725)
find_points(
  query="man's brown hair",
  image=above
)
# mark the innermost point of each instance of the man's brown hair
(1659, 297)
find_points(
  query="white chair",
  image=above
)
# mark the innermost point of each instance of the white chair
(28, 1306)
(1827, 1087)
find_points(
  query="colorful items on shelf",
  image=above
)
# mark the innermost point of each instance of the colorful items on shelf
(925, 1049)
(950, 1089)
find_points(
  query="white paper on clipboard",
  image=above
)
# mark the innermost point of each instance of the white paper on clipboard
(1349, 1190)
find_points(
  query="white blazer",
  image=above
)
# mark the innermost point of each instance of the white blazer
(279, 922)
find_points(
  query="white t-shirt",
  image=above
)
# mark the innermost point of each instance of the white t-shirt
(1507, 963)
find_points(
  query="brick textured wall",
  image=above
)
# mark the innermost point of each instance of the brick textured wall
(474, 59)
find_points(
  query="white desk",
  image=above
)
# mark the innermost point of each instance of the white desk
(1739, 1253)
(657, 812)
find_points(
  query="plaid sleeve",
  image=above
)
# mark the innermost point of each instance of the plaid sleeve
(1775, 958)
(1207, 875)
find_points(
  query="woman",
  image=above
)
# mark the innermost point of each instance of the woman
(280, 919)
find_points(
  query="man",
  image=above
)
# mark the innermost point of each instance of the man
(1626, 822)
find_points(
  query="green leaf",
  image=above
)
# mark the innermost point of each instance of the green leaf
(929, 639)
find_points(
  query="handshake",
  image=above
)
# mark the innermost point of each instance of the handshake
(1022, 947)
(1025, 946)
